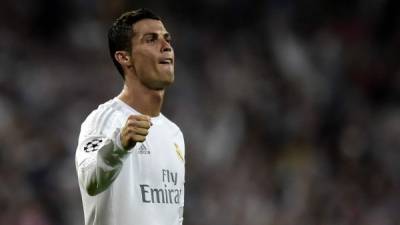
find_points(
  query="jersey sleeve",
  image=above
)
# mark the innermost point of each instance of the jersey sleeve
(99, 157)
(181, 207)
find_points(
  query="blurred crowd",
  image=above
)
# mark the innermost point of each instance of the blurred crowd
(290, 109)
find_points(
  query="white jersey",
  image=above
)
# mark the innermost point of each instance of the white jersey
(142, 186)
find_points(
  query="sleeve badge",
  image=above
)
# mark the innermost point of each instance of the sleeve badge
(93, 145)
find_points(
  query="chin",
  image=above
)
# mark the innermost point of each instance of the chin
(161, 84)
(167, 82)
(168, 78)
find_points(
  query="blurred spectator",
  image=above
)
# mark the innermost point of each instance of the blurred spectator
(290, 108)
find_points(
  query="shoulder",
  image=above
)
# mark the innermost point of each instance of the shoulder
(172, 126)
(177, 134)
(100, 119)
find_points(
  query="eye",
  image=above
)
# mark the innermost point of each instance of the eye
(151, 39)
(168, 38)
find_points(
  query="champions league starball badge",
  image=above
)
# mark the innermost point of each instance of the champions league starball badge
(93, 145)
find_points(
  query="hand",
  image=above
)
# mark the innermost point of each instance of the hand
(135, 130)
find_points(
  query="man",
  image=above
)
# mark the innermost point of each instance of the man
(130, 157)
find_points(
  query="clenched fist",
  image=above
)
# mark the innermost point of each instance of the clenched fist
(135, 130)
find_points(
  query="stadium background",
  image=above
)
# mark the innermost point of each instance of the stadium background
(290, 108)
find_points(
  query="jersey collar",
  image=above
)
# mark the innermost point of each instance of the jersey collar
(155, 120)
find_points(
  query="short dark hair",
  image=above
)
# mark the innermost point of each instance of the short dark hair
(121, 33)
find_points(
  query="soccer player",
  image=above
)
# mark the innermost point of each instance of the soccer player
(130, 158)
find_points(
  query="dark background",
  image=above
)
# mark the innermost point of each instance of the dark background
(290, 109)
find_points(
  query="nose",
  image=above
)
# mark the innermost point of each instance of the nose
(166, 47)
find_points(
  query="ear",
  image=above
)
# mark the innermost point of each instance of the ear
(123, 58)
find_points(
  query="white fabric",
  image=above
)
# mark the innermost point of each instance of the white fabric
(143, 186)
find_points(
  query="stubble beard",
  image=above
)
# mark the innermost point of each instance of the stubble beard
(159, 84)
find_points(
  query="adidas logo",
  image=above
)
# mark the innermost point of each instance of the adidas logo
(143, 150)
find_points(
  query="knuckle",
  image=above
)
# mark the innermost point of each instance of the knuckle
(140, 138)
(134, 129)
(129, 130)
(131, 116)
(124, 134)
(132, 119)
(125, 137)
(132, 123)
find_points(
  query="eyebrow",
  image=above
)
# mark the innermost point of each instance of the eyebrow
(166, 34)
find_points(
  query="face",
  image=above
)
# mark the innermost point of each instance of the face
(152, 55)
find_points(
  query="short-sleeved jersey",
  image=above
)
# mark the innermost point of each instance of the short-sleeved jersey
(142, 186)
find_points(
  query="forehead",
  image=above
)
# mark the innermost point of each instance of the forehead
(149, 26)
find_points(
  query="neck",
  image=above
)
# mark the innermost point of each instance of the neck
(142, 99)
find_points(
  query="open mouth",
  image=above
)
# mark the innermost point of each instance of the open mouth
(167, 61)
